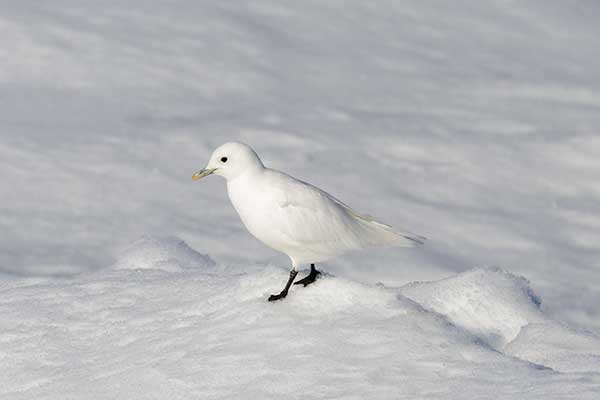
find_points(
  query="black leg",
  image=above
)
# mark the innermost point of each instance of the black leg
(310, 278)
(284, 292)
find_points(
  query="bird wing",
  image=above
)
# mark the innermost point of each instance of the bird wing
(304, 213)
(307, 215)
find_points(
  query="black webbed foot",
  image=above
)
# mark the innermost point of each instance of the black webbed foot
(310, 278)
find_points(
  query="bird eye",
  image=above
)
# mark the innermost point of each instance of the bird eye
(223, 159)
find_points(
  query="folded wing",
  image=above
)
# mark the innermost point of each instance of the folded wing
(315, 221)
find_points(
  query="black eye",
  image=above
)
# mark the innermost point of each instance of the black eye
(223, 159)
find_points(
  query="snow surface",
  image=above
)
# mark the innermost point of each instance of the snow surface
(474, 124)
(208, 332)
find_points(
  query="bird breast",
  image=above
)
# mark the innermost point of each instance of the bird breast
(255, 202)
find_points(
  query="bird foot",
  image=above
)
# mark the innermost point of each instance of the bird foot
(312, 276)
(284, 292)
(275, 297)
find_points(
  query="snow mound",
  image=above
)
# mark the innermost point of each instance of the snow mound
(502, 311)
(332, 294)
(138, 332)
(557, 346)
(166, 253)
(489, 302)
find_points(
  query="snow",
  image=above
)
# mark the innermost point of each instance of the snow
(504, 313)
(490, 302)
(208, 332)
(164, 253)
(473, 124)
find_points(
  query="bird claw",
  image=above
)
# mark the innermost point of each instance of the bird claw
(279, 296)
(314, 274)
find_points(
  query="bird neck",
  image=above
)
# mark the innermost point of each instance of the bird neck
(252, 171)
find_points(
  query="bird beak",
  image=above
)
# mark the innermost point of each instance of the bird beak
(202, 173)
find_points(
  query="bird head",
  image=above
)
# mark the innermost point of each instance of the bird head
(230, 161)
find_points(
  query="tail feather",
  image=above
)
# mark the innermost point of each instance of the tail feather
(386, 233)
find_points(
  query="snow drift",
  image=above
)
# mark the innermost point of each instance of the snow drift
(207, 331)
(502, 311)
(491, 303)
(165, 253)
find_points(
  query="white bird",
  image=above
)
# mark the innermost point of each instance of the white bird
(295, 217)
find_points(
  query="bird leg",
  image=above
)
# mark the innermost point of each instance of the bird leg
(310, 278)
(284, 292)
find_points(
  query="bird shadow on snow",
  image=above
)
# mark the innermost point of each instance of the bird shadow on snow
(491, 307)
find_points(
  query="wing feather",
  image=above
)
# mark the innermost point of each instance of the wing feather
(309, 216)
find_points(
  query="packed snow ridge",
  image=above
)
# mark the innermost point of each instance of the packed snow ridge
(502, 311)
(164, 253)
(169, 322)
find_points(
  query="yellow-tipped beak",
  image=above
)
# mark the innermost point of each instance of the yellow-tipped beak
(202, 173)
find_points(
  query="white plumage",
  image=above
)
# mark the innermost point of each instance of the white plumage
(292, 216)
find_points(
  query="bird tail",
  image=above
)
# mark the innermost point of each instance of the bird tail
(383, 234)
(378, 233)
